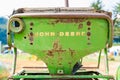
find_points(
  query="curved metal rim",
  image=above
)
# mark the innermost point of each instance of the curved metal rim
(20, 27)
(72, 15)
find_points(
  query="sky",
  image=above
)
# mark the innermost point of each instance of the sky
(7, 6)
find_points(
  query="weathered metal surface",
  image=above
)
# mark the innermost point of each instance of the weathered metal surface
(66, 3)
(55, 10)
(65, 77)
(61, 39)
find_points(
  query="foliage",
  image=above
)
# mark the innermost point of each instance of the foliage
(116, 31)
(117, 9)
(3, 23)
(3, 36)
(3, 20)
(97, 5)
(117, 21)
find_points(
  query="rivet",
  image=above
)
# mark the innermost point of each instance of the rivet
(31, 24)
(31, 33)
(80, 26)
(89, 23)
(88, 33)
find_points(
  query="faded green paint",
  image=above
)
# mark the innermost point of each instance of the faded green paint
(62, 52)
(42, 77)
(60, 37)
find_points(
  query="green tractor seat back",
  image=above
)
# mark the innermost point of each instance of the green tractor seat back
(60, 36)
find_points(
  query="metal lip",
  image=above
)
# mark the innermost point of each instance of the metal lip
(63, 15)
(71, 15)
(54, 10)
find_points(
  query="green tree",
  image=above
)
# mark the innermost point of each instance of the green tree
(116, 11)
(97, 5)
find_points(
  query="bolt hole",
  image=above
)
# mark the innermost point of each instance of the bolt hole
(88, 23)
(31, 24)
(80, 26)
(15, 24)
(25, 37)
(31, 43)
(88, 33)
(30, 28)
(88, 28)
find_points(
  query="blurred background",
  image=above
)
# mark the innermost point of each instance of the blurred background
(24, 59)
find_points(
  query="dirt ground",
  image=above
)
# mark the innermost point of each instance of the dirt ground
(113, 65)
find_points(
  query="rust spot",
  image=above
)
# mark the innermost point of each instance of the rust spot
(69, 63)
(76, 20)
(56, 48)
(31, 24)
(80, 26)
(59, 51)
(60, 64)
(30, 35)
(50, 53)
(56, 45)
(57, 21)
(52, 63)
(53, 23)
(82, 19)
(31, 39)
(88, 38)
(46, 57)
(89, 43)
(60, 58)
(67, 21)
(89, 23)
(71, 51)
(88, 34)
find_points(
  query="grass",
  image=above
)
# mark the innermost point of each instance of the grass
(116, 44)
(25, 56)
(91, 58)
(10, 56)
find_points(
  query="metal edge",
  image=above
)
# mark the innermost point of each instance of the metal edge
(72, 15)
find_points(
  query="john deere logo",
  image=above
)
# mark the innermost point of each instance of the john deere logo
(61, 34)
